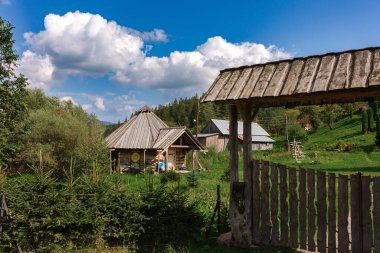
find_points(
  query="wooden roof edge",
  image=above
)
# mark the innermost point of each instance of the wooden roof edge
(299, 58)
(316, 98)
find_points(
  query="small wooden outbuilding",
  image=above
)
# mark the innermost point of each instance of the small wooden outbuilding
(216, 134)
(136, 143)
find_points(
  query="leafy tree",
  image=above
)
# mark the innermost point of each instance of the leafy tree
(312, 113)
(12, 93)
(297, 132)
(329, 114)
(62, 132)
(364, 122)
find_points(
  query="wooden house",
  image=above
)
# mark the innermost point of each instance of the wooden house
(136, 143)
(216, 134)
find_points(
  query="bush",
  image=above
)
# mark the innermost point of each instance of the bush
(170, 213)
(297, 132)
(170, 176)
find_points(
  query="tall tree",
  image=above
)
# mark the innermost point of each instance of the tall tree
(12, 93)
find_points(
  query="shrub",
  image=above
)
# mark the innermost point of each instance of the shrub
(170, 176)
(170, 213)
(192, 179)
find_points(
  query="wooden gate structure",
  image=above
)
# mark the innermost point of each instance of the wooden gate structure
(322, 79)
(314, 210)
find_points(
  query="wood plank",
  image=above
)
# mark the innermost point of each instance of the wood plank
(343, 238)
(311, 207)
(322, 210)
(265, 211)
(256, 202)
(374, 78)
(332, 214)
(356, 240)
(302, 210)
(274, 204)
(284, 206)
(229, 85)
(293, 204)
(251, 83)
(240, 83)
(324, 74)
(376, 213)
(361, 69)
(224, 76)
(341, 74)
(367, 219)
(309, 71)
(293, 77)
(277, 80)
(264, 80)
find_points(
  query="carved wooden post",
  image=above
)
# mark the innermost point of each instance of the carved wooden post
(247, 173)
(234, 175)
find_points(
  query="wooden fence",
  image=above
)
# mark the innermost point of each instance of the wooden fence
(315, 210)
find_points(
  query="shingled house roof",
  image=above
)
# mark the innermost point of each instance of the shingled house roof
(145, 130)
(347, 76)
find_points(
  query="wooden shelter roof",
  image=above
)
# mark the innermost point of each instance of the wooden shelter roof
(330, 78)
(146, 130)
(140, 132)
(168, 136)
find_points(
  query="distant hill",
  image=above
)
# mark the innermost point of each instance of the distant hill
(106, 123)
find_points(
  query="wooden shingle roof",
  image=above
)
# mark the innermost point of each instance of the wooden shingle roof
(330, 78)
(145, 130)
(140, 132)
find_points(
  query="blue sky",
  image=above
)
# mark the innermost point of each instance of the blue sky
(111, 57)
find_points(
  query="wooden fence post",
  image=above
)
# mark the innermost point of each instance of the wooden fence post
(274, 204)
(332, 214)
(256, 202)
(356, 214)
(284, 206)
(265, 211)
(376, 213)
(366, 212)
(293, 207)
(343, 238)
(311, 206)
(321, 213)
(302, 209)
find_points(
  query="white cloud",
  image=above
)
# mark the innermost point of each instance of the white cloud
(37, 68)
(68, 98)
(87, 107)
(99, 103)
(87, 44)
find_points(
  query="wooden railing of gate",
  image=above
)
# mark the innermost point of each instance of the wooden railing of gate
(314, 210)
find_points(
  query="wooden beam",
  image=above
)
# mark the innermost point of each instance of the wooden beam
(234, 213)
(180, 146)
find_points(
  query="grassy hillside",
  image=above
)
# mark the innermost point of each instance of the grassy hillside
(340, 149)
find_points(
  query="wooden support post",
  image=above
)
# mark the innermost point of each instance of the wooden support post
(234, 176)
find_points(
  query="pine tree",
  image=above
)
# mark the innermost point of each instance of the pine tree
(364, 122)
(377, 141)
(370, 120)
(192, 179)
